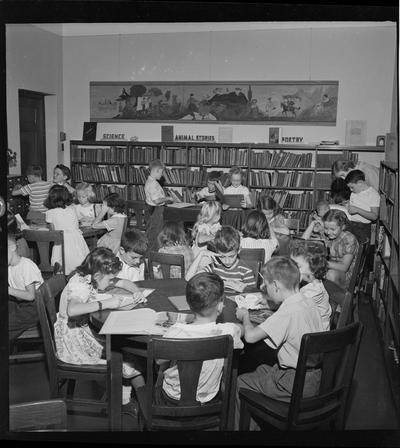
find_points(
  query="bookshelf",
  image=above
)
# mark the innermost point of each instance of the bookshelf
(297, 176)
(385, 292)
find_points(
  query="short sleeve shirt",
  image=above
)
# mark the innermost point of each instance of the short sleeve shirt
(239, 272)
(153, 191)
(364, 200)
(131, 273)
(23, 274)
(371, 174)
(37, 192)
(316, 291)
(240, 189)
(296, 316)
(211, 372)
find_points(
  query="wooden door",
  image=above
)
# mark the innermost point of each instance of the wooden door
(32, 130)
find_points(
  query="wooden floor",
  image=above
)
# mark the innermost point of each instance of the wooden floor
(371, 406)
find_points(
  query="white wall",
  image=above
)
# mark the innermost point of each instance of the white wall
(361, 59)
(34, 62)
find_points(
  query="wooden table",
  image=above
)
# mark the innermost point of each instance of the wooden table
(157, 300)
(91, 236)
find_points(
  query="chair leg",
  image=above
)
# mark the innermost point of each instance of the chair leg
(244, 422)
(70, 389)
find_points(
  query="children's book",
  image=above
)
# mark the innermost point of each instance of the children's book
(142, 321)
(179, 204)
(179, 302)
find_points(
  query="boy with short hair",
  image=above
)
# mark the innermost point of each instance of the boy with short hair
(155, 199)
(363, 205)
(225, 261)
(283, 331)
(134, 245)
(24, 278)
(204, 294)
(37, 190)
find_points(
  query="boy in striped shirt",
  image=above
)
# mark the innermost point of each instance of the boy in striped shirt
(37, 190)
(225, 262)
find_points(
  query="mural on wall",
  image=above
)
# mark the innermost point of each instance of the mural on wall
(286, 102)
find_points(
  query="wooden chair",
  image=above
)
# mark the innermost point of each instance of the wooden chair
(44, 239)
(165, 261)
(358, 274)
(254, 258)
(38, 415)
(338, 351)
(60, 372)
(293, 224)
(137, 209)
(189, 355)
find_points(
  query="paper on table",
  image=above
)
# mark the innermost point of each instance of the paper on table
(142, 321)
(180, 204)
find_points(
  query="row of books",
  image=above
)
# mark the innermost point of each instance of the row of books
(99, 173)
(136, 193)
(175, 175)
(179, 196)
(388, 216)
(143, 154)
(326, 160)
(286, 199)
(173, 156)
(290, 179)
(108, 154)
(266, 159)
(138, 175)
(302, 216)
(388, 182)
(217, 156)
(101, 191)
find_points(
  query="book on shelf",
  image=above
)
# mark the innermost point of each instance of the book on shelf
(136, 193)
(143, 154)
(284, 159)
(326, 160)
(323, 180)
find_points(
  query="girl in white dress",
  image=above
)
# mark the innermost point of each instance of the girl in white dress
(114, 206)
(86, 209)
(257, 234)
(61, 216)
(75, 342)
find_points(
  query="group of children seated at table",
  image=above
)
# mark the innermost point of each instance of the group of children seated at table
(291, 284)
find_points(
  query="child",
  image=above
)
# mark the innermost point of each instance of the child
(115, 207)
(283, 331)
(74, 340)
(172, 240)
(313, 265)
(134, 245)
(237, 276)
(61, 216)
(236, 187)
(340, 194)
(204, 294)
(341, 168)
(320, 210)
(208, 192)
(363, 205)
(61, 176)
(13, 231)
(155, 198)
(343, 246)
(85, 209)
(206, 225)
(24, 278)
(37, 190)
(274, 215)
(256, 233)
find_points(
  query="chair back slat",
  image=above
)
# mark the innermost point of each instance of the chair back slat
(357, 274)
(44, 239)
(338, 350)
(189, 355)
(254, 258)
(136, 209)
(47, 316)
(38, 415)
(166, 261)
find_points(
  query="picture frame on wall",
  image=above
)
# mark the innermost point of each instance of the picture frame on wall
(255, 102)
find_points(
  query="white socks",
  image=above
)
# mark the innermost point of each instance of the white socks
(126, 394)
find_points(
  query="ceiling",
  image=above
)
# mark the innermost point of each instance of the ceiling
(96, 29)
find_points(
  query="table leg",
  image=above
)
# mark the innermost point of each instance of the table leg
(114, 382)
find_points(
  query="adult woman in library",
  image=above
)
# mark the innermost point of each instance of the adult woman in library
(341, 168)
(342, 244)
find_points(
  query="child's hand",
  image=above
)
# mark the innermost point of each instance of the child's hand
(241, 313)
(352, 209)
(225, 206)
(138, 297)
(243, 204)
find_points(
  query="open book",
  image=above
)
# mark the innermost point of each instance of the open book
(125, 297)
(142, 321)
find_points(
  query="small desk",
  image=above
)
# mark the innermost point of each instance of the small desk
(157, 300)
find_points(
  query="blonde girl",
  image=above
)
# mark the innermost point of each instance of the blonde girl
(86, 209)
(206, 226)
